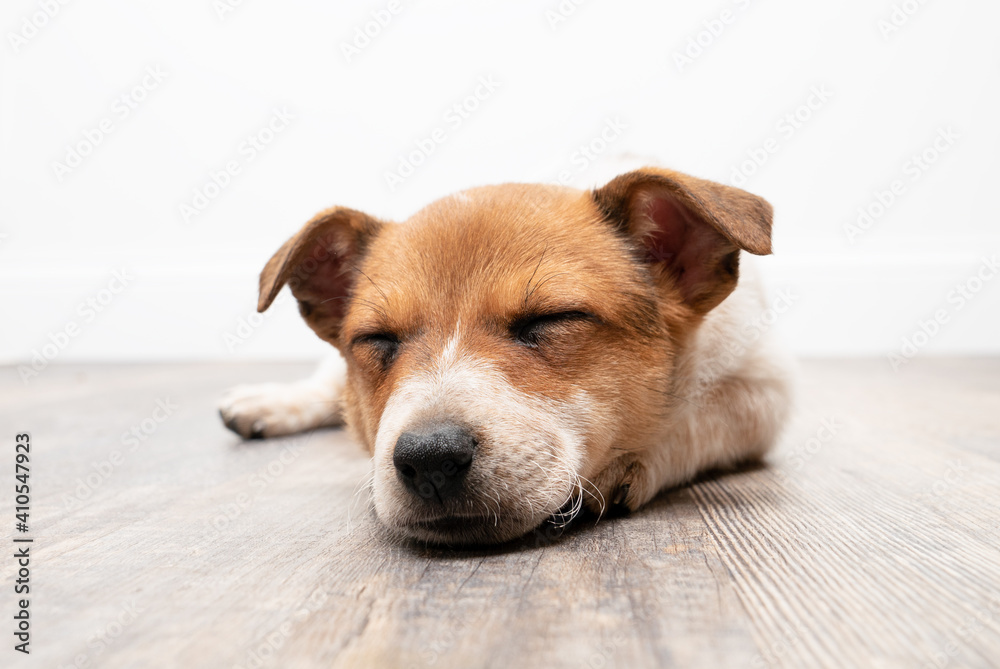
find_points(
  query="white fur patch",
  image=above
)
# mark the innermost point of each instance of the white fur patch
(276, 409)
(531, 448)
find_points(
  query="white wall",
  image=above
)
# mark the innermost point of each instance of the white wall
(889, 96)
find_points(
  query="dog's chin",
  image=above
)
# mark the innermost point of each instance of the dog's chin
(478, 520)
(467, 531)
(464, 530)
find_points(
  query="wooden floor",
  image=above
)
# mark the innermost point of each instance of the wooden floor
(871, 538)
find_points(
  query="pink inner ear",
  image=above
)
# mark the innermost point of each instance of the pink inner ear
(323, 283)
(690, 248)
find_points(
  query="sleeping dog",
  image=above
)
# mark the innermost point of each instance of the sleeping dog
(516, 350)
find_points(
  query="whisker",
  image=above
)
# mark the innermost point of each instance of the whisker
(366, 484)
(543, 281)
(527, 288)
(592, 485)
(380, 292)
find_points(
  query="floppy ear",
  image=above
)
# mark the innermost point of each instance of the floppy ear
(320, 266)
(691, 230)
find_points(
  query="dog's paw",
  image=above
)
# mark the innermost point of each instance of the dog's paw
(622, 487)
(260, 411)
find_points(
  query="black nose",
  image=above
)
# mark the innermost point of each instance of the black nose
(432, 462)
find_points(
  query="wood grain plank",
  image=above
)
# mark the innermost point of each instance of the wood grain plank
(872, 542)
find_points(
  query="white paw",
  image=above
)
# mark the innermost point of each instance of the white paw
(259, 411)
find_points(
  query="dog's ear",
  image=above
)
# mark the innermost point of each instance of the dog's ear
(320, 266)
(691, 230)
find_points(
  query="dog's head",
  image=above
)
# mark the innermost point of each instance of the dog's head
(506, 345)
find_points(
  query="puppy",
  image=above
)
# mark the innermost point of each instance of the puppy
(513, 352)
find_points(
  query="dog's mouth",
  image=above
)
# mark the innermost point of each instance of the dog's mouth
(450, 522)
(453, 524)
(469, 530)
(464, 530)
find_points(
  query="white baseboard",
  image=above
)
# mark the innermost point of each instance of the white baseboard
(840, 308)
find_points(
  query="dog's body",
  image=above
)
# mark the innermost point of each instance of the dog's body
(514, 349)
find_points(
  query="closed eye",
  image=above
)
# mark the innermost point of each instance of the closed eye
(533, 329)
(383, 345)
